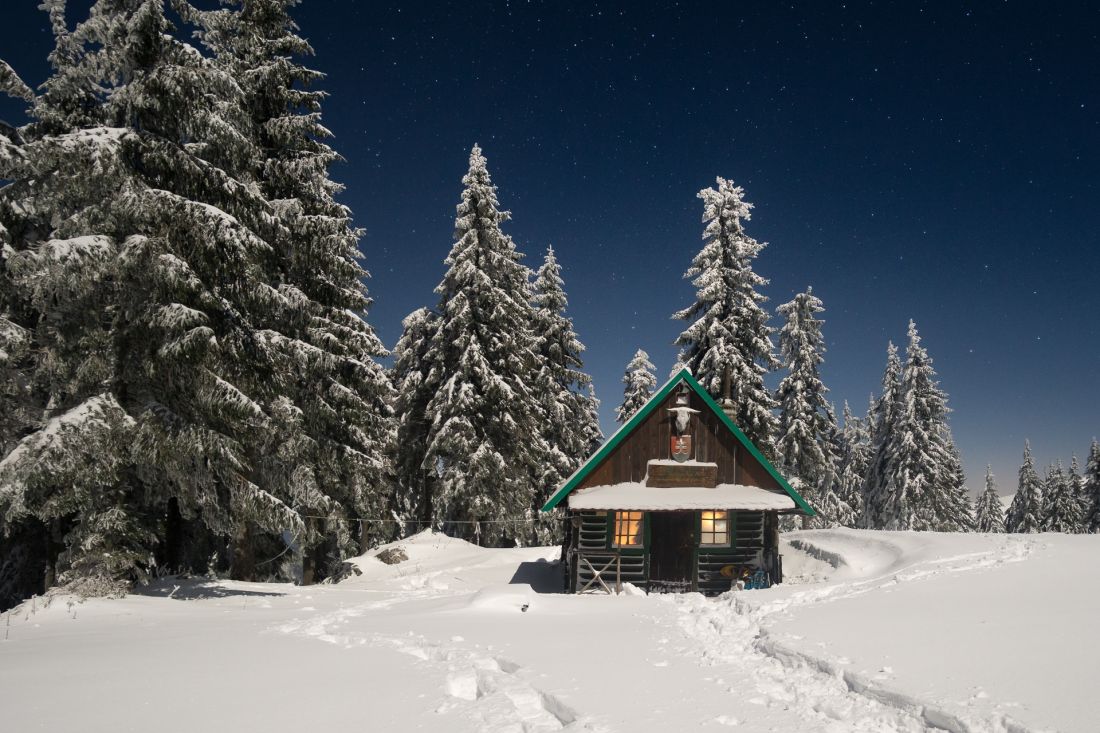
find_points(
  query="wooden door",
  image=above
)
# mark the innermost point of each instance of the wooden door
(672, 546)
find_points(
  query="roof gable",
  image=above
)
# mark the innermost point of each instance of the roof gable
(627, 428)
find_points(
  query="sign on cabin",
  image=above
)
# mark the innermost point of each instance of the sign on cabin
(665, 474)
(681, 447)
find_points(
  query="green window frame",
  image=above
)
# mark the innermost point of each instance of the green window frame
(627, 529)
(715, 528)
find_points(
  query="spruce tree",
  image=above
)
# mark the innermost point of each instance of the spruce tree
(485, 439)
(591, 430)
(1025, 514)
(640, 382)
(883, 426)
(989, 511)
(728, 342)
(27, 551)
(188, 309)
(804, 444)
(1080, 497)
(19, 406)
(110, 118)
(953, 508)
(411, 375)
(1062, 512)
(570, 422)
(923, 487)
(1092, 489)
(565, 395)
(320, 345)
(855, 453)
(679, 365)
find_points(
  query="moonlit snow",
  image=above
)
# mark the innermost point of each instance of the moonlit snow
(875, 631)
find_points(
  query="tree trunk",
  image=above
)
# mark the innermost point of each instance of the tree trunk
(313, 564)
(425, 518)
(55, 545)
(243, 566)
(309, 559)
(173, 537)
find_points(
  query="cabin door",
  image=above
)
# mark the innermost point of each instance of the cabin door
(672, 547)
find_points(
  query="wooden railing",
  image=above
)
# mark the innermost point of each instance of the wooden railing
(606, 560)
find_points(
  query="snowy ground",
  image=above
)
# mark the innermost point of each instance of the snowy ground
(875, 631)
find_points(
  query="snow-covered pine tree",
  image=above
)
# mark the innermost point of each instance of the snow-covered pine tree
(593, 433)
(1092, 488)
(562, 389)
(855, 453)
(138, 141)
(19, 407)
(485, 437)
(953, 508)
(23, 562)
(1062, 512)
(804, 443)
(64, 471)
(923, 473)
(832, 435)
(679, 365)
(1025, 514)
(729, 340)
(568, 428)
(318, 339)
(1077, 488)
(414, 480)
(640, 382)
(989, 512)
(883, 421)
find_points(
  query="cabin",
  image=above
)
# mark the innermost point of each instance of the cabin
(677, 500)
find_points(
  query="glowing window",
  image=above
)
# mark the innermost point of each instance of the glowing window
(628, 529)
(715, 529)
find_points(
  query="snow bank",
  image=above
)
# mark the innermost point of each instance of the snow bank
(980, 632)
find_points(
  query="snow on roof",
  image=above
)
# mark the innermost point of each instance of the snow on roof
(638, 496)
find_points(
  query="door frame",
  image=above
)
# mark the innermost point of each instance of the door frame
(690, 521)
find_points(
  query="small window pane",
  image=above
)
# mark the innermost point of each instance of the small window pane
(714, 528)
(628, 529)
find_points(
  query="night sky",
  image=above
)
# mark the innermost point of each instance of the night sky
(934, 161)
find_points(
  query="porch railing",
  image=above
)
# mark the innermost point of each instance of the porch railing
(599, 564)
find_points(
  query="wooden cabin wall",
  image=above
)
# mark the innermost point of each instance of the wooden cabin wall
(592, 540)
(652, 439)
(748, 540)
(591, 536)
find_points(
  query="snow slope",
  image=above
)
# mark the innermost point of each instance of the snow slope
(874, 631)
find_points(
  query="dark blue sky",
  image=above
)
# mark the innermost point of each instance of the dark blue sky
(934, 161)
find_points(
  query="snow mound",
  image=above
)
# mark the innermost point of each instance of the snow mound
(443, 564)
(512, 598)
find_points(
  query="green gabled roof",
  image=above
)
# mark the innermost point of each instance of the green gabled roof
(620, 435)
